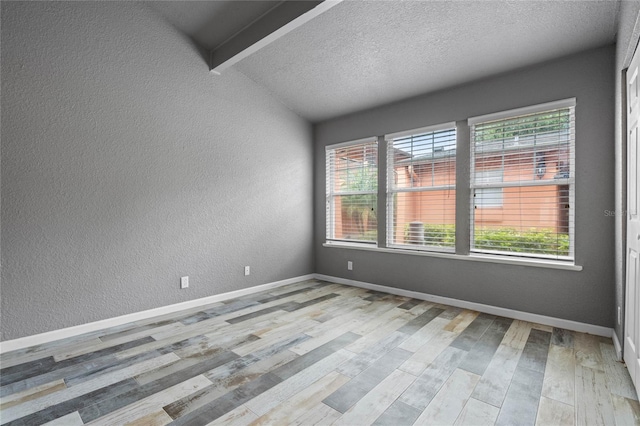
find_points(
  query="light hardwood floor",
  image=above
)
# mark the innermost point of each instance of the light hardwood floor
(320, 353)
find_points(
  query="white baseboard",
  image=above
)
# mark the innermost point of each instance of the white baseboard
(494, 310)
(50, 336)
(617, 345)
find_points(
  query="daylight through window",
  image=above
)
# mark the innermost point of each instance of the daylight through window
(519, 167)
(421, 188)
(352, 191)
(522, 182)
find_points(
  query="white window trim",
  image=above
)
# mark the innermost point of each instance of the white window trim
(330, 193)
(473, 257)
(427, 129)
(370, 139)
(533, 109)
(390, 190)
(503, 258)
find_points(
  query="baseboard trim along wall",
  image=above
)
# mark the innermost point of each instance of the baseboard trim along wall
(617, 346)
(50, 336)
(494, 310)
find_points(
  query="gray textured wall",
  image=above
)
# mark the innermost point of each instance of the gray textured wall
(126, 165)
(627, 40)
(586, 296)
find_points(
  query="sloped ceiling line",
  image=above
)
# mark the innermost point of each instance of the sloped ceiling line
(279, 21)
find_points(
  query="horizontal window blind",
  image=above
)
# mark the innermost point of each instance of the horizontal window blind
(421, 196)
(352, 191)
(522, 183)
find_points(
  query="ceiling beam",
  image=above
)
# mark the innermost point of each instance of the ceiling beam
(282, 19)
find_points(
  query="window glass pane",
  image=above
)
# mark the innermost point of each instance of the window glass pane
(532, 220)
(352, 187)
(522, 184)
(421, 177)
(354, 175)
(489, 197)
(424, 218)
(355, 217)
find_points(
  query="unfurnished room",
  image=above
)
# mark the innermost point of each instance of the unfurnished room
(339, 212)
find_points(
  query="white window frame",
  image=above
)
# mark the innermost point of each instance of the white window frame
(465, 165)
(331, 193)
(391, 189)
(540, 108)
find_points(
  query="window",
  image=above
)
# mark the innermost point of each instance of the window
(488, 197)
(421, 193)
(524, 161)
(352, 191)
(521, 177)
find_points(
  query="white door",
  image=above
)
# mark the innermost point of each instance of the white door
(632, 306)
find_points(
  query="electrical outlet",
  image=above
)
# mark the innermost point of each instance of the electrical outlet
(350, 265)
(184, 282)
(247, 270)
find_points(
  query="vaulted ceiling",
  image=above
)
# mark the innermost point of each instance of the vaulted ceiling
(360, 54)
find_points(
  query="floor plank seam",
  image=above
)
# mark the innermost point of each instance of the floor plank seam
(268, 357)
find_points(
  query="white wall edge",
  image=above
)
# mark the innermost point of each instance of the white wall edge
(617, 345)
(494, 310)
(63, 333)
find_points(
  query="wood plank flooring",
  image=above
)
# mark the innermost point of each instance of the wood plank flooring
(320, 353)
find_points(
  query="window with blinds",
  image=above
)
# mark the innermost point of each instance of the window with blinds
(352, 191)
(523, 183)
(421, 194)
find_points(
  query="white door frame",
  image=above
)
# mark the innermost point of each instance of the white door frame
(631, 333)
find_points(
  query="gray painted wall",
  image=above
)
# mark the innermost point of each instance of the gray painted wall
(627, 40)
(126, 165)
(586, 296)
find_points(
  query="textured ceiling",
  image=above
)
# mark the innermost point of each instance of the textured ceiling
(361, 54)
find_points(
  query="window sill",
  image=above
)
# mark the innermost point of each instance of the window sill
(474, 257)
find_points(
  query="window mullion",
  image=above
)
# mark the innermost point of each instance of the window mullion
(382, 192)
